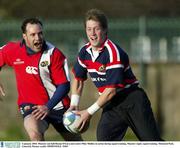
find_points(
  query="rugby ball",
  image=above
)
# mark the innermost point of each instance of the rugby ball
(70, 120)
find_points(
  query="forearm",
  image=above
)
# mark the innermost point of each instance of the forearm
(61, 91)
(106, 96)
(77, 87)
(41, 111)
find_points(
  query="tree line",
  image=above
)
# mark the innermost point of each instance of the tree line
(74, 9)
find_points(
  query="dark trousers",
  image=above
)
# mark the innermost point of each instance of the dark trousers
(130, 109)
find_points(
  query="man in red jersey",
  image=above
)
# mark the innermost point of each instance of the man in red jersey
(42, 81)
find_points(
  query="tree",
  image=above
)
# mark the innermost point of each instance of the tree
(58, 9)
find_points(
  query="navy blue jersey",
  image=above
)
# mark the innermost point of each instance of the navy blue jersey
(108, 68)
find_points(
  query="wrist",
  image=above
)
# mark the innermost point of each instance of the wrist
(93, 108)
(74, 100)
(48, 107)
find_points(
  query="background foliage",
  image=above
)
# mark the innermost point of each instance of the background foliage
(53, 9)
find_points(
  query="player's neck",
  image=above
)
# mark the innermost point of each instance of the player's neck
(96, 48)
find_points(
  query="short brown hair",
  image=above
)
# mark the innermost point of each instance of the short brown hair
(31, 21)
(96, 15)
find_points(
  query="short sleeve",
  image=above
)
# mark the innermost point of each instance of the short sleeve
(79, 70)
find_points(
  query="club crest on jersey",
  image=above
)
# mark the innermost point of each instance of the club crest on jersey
(102, 68)
(44, 63)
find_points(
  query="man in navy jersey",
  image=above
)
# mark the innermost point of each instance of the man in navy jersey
(42, 81)
(124, 104)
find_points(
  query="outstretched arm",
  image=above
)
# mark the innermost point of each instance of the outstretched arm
(86, 115)
(41, 111)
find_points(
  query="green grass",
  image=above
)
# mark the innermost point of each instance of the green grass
(16, 132)
(11, 125)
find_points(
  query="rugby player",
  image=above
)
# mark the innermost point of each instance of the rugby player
(42, 78)
(124, 103)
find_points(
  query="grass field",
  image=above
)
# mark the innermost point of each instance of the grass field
(11, 124)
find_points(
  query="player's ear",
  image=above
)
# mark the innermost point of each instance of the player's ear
(24, 36)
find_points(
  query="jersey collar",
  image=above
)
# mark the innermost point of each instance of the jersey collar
(94, 54)
(29, 50)
(88, 46)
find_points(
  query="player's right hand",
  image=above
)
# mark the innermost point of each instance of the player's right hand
(40, 112)
(84, 120)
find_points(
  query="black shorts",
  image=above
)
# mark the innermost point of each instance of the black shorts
(130, 109)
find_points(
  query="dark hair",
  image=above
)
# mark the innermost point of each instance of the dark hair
(31, 21)
(96, 15)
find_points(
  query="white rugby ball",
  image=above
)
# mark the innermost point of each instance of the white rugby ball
(70, 120)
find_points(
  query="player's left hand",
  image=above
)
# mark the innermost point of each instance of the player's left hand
(40, 112)
(85, 118)
(73, 108)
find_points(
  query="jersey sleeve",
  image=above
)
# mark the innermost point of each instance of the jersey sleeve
(79, 70)
(5, 55)
(59, 68)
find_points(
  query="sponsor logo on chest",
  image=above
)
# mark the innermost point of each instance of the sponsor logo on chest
(18, 61)
(32, 70)
(98, 79)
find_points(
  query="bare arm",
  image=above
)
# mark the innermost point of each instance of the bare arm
(77, 87)
(106, 96)
(86, 115)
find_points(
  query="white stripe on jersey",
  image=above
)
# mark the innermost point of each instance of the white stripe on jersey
(94, 70)
(88, 49)
(45, 73)
(108, 67)
(128, 85)
(127, 68)
(110, 51)
(66, 69)
(79, 61)
(115, 66)
(2, 47)
(117, 51)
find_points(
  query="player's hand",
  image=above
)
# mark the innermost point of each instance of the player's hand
(2, 92)
(85, 119)
(40, 112)
(73, 108)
